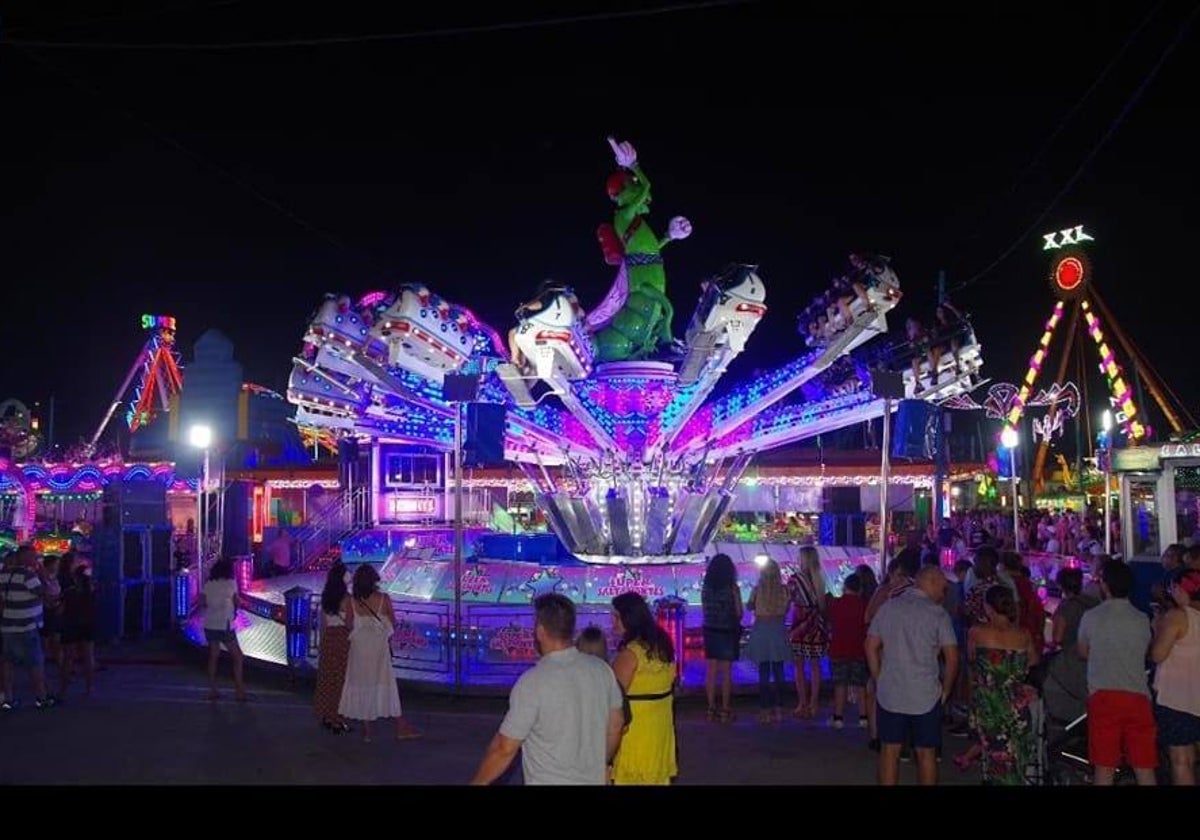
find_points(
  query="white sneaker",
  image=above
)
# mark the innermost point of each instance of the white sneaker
(836, 722)
(863, 723)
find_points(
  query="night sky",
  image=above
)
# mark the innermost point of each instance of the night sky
(232, 188)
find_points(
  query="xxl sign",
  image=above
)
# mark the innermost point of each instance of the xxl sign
(1070, 236)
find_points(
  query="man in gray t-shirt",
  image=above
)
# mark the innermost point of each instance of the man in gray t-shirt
(904, 643)
(564, 714)
(1114, 638)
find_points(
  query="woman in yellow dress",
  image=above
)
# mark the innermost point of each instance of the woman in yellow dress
(645, 668)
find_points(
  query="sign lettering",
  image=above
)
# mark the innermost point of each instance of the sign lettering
(1179, 450)
(1070, 236)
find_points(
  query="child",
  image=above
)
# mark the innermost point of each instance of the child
(591, 641)
(848, 658)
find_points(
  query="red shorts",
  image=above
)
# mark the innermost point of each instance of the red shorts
(1122, 723)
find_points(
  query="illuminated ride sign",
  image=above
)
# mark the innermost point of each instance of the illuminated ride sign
(158, 322)
(1070, 275)
(408, 504)
(1070, 236)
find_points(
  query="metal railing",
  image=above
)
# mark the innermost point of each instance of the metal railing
(338, 522)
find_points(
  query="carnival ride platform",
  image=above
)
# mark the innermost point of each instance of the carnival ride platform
(497, 614)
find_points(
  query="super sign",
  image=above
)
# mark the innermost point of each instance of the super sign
(158, 322)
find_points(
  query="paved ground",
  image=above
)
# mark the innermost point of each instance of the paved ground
(149, 722)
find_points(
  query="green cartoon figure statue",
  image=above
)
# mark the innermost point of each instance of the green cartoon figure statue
(634, 321)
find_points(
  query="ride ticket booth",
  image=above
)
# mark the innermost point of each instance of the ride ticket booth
(1159, 503)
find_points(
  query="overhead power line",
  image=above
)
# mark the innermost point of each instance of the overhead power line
(1067, 117)
(1180, 36)
(145, 15)
(382, 36)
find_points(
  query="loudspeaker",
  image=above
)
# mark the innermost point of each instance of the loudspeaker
(483, 445)
(886, 384)
(827, 529)
(856, 531)
(134, 503)
(348, 451)
(841, 500)
(161, 553)
(915, 432)
(133, 556)
(457, 387)
(238, 498)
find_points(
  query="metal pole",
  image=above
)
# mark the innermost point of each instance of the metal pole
(884, 478)
(1108, 498)
(940, 463)
(458, 545)
(201, 521)
(1016, 510)
(219, 536)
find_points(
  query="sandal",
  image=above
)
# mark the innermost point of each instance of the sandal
(711, 714)
(765, 716)
(725, 716)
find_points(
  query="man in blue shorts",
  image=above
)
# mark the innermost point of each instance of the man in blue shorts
(904, 643)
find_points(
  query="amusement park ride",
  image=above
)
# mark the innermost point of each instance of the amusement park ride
(646, 462)
(159, 380)
(1073, 286)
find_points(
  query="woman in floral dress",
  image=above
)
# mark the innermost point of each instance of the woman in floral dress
(809, 635)
(1002, 653)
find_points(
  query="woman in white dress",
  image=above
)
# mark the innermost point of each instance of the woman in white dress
(370, 691)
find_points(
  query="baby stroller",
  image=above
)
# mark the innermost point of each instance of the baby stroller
(1062, 682)
(1064, 699)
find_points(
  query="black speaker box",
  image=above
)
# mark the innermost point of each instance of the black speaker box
(459, 387)
(856, 531)
(134, 503)
(347, 450)
(915, 430)
(483, 444)
(841, 500)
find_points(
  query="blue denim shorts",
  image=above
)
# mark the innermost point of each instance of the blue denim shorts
(24, 650)
(926, 729)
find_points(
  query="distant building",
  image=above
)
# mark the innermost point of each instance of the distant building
(251, 425)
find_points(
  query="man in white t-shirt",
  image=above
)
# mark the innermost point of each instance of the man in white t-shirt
(564, 714)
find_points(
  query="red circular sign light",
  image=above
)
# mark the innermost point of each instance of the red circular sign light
(1069, 274)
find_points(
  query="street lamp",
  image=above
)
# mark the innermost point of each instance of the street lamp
(1009, 440)
(201, 437)
(1106, 423)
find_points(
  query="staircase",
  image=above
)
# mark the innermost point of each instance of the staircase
(317, 541)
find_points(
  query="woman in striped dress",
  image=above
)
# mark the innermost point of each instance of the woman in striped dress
(334, 650)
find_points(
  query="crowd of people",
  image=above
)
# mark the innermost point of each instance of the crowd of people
(931, 648)
(830, 313)
(1062, 533)
(928, 649)
(47, 617)
(931, 344)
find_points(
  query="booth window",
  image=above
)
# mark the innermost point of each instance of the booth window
(1143, 506)
(1187, 502)
(409, 470)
